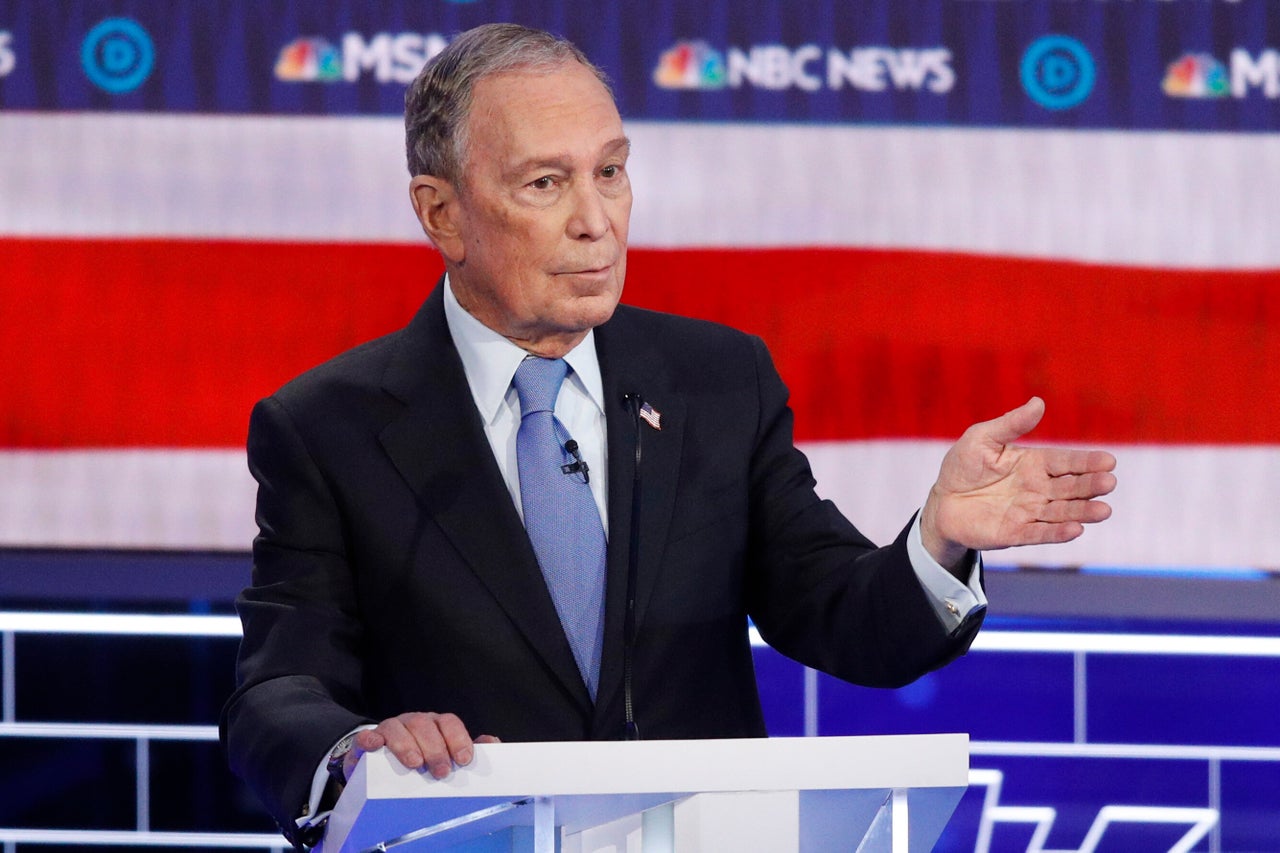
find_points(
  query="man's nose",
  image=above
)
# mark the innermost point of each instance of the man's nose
(590, 218)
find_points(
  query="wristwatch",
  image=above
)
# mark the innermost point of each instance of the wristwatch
(337, 756)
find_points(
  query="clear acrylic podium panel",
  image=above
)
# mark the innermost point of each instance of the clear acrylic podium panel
(774, 795)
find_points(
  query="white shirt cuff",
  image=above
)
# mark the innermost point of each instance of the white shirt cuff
(950, 599)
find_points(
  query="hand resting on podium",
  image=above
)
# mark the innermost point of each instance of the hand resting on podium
(418, 739)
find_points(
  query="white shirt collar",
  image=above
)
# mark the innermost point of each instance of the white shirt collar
(490, 360)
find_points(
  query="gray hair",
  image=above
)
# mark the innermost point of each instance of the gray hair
(437, 103)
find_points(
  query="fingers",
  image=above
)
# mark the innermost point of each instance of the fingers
(1082, 512)
(1072, 487)
(1046, 533)
(409, 749)
(1076, 479)
(1071, 498)
(434, 741)
(1058, 462)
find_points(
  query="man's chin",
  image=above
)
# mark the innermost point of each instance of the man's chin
(553, 337)
(595, 310)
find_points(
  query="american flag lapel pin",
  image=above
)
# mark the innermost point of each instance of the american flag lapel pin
(651, 416)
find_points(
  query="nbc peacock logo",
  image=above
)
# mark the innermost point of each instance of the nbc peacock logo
(1196, 75)
(307, 60)
(690, 65)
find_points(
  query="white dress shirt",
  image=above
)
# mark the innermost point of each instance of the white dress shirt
(490, 362)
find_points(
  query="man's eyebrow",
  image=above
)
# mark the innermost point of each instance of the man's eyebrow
(563, 161)
(620, 142)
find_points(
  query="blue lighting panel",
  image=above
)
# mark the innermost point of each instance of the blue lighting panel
(1250, 803)
(1079, 788)
(781, 684)
(992, 696)
(1184, 700)
(961, 833)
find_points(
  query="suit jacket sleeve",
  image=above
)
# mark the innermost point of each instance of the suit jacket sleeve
(817, 589)
(299, 671)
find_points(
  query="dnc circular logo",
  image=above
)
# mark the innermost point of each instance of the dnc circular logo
(117, 55)
(1058, 72)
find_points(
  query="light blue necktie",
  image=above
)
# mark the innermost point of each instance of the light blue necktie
(560, 515)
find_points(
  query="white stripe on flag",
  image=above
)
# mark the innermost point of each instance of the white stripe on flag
(180, 499)
(1178, 506)
(1188, 506)
(1181, 200)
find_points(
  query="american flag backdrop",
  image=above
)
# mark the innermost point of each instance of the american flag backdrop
(930, 211)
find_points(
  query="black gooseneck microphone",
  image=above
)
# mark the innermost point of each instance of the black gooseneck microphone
(631, 731)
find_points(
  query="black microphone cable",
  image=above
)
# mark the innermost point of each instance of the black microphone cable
(631, 731)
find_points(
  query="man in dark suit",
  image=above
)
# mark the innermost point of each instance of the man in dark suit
(397, 598)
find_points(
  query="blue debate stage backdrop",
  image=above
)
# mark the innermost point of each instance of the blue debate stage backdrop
(963, 62)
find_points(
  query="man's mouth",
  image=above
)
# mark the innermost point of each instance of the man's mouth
(592, 270)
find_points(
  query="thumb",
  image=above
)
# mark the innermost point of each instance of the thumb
(1013, 425)
(370, 739)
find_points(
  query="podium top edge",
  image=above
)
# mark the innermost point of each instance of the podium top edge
(681, 767)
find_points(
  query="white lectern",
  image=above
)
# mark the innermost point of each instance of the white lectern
(772, 795)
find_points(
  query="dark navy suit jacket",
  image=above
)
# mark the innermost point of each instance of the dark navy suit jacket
(392, 572)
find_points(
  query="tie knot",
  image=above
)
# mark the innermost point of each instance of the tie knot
(537, 382)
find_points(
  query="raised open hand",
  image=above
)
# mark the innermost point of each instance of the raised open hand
(992, 494)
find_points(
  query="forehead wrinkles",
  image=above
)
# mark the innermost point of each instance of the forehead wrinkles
(526, 114)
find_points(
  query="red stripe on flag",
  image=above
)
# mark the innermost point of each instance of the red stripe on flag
(883, 344)
(168, 343)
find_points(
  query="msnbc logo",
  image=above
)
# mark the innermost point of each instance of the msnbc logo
(690, 65)
(1196, 75)
(306, 60)
(389, 57)
(1199, 75)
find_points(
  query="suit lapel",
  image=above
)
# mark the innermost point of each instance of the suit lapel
(439, 447)
(629, 364)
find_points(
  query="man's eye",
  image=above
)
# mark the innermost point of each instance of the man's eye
(546, 182)
(610, 171)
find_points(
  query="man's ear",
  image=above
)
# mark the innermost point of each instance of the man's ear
(435, 200)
